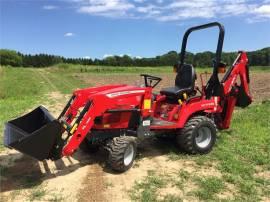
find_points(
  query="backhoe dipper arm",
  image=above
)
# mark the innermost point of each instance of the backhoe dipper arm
(234, 94)
(239, 68)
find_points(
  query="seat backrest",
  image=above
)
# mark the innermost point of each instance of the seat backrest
(186, 77)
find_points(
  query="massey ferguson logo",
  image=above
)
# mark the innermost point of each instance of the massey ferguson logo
(111, 95)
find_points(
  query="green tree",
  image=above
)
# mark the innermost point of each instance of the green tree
(111, 61)
(10, 57)
(126, 61)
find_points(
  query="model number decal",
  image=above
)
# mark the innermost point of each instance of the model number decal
(208, 104)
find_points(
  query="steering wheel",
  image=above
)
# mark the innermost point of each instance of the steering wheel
(151, 81)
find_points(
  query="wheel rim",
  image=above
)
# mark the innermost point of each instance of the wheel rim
(128, 155)
(203, 137)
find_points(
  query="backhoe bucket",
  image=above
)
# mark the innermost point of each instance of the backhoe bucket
(34, 134)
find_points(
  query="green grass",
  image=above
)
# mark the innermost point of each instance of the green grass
(112, 69)
(181, 179)
(208, 187)
(146, 189)
(171, 198)
(259, 68)
(243, 148)
(19, 89)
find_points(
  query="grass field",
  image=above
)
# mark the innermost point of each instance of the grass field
(238, 169)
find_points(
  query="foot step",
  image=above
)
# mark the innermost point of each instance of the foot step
(159, 122)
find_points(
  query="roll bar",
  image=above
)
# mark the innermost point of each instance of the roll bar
(212, 87)
(219, 45)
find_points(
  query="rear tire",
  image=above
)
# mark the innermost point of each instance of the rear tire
(122, 152)
(198, 136)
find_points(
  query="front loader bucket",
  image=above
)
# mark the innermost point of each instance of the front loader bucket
(34, 134)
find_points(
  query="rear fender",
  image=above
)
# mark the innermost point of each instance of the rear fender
(189, 110)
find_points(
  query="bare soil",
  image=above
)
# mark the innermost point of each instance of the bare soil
(86, 177)
(259, 82)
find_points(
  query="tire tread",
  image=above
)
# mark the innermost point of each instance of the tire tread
(185, 139)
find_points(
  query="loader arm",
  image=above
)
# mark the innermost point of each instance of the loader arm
(235, 94)
(78, 126)
(79, 100)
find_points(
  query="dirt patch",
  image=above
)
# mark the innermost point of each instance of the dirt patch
(260, 86)
(229, 194)
(263, 175)
(93, 185)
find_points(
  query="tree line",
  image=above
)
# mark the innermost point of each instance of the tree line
(204, 59)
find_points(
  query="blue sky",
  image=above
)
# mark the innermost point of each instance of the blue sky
(96, 28)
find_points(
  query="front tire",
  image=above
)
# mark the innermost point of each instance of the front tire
(122, 152)
(198, 136)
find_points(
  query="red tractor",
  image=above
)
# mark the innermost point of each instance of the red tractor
(115, 117)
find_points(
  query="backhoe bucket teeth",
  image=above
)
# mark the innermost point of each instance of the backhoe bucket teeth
(34, 134)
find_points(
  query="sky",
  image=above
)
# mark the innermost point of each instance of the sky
(139, 28)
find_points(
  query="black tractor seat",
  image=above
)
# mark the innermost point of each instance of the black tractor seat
(184, 83)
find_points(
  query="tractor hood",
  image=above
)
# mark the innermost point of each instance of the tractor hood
(113, 91)
(123, 91)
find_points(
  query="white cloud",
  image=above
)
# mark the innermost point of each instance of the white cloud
(263, 10)
(49, 7)
(108, 8)
(69, 34)
(262, 14)
(191, 4)
(148, 9)
(174, 10)
(87, 57)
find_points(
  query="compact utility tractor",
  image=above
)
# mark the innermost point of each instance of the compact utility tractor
(117, 117)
